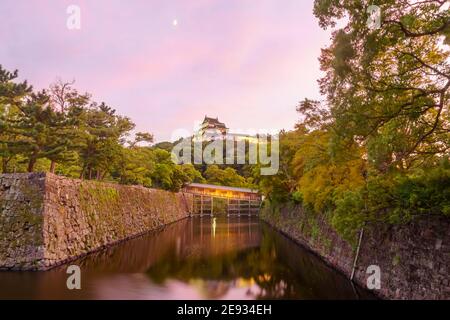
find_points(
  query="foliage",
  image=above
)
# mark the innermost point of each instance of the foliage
(388, 88)
(135, 166)
(12, 97)
(39, 132)
(378, 148)
(279, 187)
(226, 177)
(169, 176)
(63, 131)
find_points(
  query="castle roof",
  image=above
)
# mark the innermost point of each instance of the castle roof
(213, 121)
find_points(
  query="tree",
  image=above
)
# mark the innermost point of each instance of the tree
(225, 177)
(65, 100)
(141, 137)
(167, 175)
(38, 131)
(388, 88)
(315, 116)
(323, 177)
(135, 166)
(103, 136)
(165, 145)
(280, 187)
(64, 96)
(192, 174)
(12, 96)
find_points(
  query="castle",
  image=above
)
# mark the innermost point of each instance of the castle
(213, 129)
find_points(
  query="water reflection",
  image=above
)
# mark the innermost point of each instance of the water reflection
(197, 258)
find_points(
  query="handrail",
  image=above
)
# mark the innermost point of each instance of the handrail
(221, 196)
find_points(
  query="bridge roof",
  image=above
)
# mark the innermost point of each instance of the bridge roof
(212, 186)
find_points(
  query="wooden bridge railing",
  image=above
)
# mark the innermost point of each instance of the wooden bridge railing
(232, 201)
(204, 204)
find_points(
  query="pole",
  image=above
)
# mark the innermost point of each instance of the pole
(201, 205)
(360, 237)
(357, 254)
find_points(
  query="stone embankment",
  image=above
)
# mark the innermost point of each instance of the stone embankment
(413, 258)
(46, 220)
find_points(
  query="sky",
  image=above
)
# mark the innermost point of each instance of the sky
(167, 64)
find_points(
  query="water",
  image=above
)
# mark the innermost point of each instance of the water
(196, 258)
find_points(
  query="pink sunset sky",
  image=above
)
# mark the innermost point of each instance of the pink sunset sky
(249, 62)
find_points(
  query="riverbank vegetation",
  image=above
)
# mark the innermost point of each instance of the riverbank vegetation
(377, 149)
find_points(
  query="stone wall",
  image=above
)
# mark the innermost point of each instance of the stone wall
(21, 221)
(46, 220)
(414, 258)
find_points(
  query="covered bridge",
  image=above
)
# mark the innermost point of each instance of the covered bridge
(237, 200)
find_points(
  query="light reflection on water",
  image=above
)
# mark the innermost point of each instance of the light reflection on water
(196, 258)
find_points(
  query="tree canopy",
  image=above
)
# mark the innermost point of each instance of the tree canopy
(377, 148)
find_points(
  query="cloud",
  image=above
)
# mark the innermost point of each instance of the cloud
(247, 63)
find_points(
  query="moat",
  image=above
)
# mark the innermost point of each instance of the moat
(196, 258)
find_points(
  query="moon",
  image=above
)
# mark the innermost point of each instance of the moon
(175, 22)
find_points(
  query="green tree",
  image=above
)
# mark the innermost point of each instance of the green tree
(192, 174)
(66, 101)
(103, 136)
(388, 88)
(135, 166)
(279, 188)
(39, 131)
(141, 137)
(225, 177)
(12, 97)
(167, 175)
